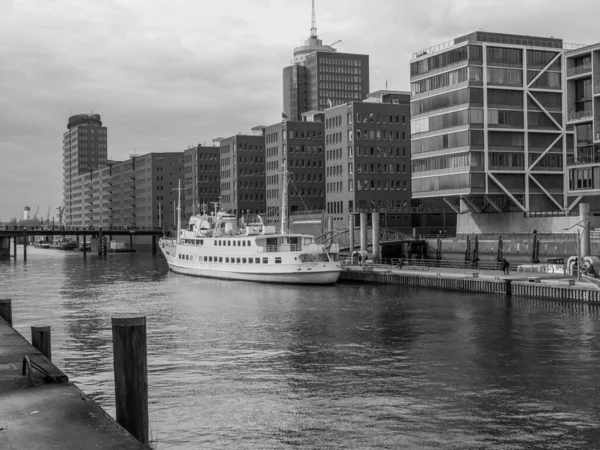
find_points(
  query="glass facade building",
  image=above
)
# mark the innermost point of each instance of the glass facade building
(487, 123)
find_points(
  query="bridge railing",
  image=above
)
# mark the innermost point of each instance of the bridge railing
(427, 264)
(342, 237)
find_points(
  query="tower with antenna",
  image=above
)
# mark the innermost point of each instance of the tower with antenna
(345, 76)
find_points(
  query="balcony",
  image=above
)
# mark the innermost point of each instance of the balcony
(579, 115)
(578, 70)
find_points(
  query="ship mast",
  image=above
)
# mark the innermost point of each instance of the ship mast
(179, 212)
(284, 194)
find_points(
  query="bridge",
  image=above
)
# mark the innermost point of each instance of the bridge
(25, 234)
(342, 236)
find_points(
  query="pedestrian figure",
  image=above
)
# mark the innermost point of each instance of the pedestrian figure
(505, 266)
(360, 259)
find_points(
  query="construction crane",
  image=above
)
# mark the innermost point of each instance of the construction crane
(336, 42)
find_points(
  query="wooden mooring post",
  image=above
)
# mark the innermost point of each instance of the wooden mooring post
(84, 244)
(41, 339)
(15, 248)
(25, 238)
(6, 310)
(131, 375)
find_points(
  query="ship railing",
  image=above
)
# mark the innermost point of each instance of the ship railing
(280, 248)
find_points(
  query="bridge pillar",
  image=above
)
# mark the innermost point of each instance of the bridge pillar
(154, 245)
(363, 232)
(131, 242)
(15, 248)
(584, 216)
(84, 244)
(25, 237)
(351, 237)
(330, 224)
(100, 240)
(375, 222)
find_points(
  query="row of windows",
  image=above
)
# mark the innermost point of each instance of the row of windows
(453, 119)
(447, 79)
(472, 96)
(441, 162)
(381, 168)
(378, 118)
(378, 185)
(229, 260)
(379, 135)
(341, 61)
(301, 134)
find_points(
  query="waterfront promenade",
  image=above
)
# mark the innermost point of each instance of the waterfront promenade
(49, 415)
(526, 284)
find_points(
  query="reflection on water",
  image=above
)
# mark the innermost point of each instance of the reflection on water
(235, 364)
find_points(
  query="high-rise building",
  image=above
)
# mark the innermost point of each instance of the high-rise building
(301, 145)
(487, 124)
(321, 77)
(201, 179)
(367, 157)
(242, 173)
(583, 113)
(84, 150)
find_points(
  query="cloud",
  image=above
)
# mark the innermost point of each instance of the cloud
(167, 74)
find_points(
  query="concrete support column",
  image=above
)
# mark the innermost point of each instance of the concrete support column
(330, 224)
(363, 232)
(375, 222)
(351, 236)
(584, 217)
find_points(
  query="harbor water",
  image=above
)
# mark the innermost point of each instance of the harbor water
(350, 366)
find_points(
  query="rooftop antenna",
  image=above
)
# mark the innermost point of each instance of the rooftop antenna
(313, 24)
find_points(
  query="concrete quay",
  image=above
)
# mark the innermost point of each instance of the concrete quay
(50, 415)
(534, 285)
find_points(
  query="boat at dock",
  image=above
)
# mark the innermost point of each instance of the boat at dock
(64, 244)
(214, 246)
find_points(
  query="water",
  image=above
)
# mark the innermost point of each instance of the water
(243, 365)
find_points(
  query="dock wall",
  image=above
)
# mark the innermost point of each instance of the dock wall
(473, 285)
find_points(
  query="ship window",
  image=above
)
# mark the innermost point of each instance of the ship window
(256, 260)
(220, 259)
(214, 243)
(248, 243)
(210, 259)
(277, 260)
(243, 260)
(265, 260)
(226, 260)
(228, 243)
(205, 258)
(237, 260)
(250, 261)
(234, 243)
(201, 242)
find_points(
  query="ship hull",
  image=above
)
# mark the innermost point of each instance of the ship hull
(328, 274)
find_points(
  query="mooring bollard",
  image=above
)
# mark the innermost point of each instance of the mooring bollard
(6, 310)
(41, 339)
(131, 375)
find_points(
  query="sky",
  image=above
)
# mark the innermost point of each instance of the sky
(165, 75)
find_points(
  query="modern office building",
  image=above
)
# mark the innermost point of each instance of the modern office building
(583, 114)
(201, 179)
(321, 77)
(487, 125)
(301, 145)
(242, 173)
(84, 150)
(138, 192)
(367, 158)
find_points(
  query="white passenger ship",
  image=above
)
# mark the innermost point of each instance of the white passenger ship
(214, 246)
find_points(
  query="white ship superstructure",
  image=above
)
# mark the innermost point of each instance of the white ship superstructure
(213, 245)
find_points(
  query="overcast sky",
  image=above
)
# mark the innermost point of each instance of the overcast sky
(166, 74)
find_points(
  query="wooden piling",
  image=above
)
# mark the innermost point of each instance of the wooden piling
(84, 244)
(15, 248)
(100, 241)
(154, 245)
(41, 339)
(25, 245)
(6, 310)
(130, 242)
(131, 376)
